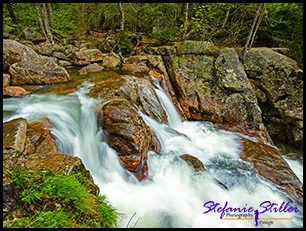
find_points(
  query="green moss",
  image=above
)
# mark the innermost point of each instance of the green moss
(54, 200)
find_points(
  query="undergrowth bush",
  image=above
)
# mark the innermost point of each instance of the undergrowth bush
(55, 200)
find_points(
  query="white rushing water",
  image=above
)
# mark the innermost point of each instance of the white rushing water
(173, 195)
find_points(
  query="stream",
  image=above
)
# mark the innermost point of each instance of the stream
(173, 195)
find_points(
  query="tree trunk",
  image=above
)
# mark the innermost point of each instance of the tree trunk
(46, 22)
(50, 15)
(251, 32)
(88, 19)
(257, 25)
(41, 23)
(226, 15)
(121, 10)
(185, 21)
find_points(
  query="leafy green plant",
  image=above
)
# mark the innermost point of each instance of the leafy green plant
(165, 36)
(61, 201)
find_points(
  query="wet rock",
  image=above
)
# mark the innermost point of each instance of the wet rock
(127, 133)
(14, 134)
(193, 162)
(136, 89)
(86, 56)
(270, 165)
(279, 88)
(90, 68)
(14, 91)
(16, 52)
(41, 70)
(32, 146)
(40, 140)
(38, 152)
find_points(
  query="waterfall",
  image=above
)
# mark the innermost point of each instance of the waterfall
(173, 195)
(174, 119)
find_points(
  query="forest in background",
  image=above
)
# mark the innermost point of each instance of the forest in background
(224, 24)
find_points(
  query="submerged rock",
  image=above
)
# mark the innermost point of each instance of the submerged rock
(193, 162)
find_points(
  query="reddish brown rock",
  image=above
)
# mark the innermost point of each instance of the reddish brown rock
(14, 134)
(193, 162)
(6, 80)
(127, 133)
(136, 89)
(14, 91)
(269, 164)
(32, 146)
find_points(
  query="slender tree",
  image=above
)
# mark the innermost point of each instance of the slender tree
(245, 49)
(43, 21)
(46, 22)
(50, 16)
(257, 25)
(88, 11)
(226, 15)
(122, 19)
(185, 21)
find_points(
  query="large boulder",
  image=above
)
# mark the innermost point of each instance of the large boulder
(127, 133)
(14, 51)
(279, 88)
(41, 70)
(216, 89)
(270, 165)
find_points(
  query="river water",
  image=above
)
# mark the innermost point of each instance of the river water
(173, 195)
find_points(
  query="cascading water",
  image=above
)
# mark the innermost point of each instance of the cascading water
(173, 195)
